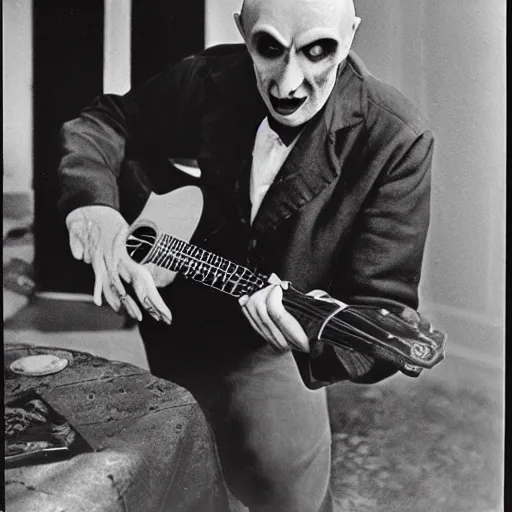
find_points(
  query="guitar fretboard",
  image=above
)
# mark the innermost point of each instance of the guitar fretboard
(202, 266)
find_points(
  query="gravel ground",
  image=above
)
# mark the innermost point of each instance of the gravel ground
(415, 445)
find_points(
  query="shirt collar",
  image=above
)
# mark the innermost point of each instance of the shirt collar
(287, 134)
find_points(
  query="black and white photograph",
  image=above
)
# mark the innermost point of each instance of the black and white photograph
(254, 255)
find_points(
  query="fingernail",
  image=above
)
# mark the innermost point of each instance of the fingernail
(156, 316)
(167, 320)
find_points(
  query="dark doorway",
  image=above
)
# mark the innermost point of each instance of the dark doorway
(164, 32)
(68, 74)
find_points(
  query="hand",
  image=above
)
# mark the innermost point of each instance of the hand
(97, 236)
(265, 312)
(414, 319)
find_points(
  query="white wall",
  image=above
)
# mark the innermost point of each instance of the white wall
(17, 95)
(449, 58)
(465, 274)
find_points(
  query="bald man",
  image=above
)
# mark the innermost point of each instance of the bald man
(320, 175)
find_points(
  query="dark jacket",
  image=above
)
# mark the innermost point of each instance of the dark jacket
(348, 212)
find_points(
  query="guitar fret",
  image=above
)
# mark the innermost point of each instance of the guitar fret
(202, 266)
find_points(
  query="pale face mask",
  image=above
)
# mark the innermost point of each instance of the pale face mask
(296, 48)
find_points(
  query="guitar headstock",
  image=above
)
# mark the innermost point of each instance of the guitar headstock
(411, 345)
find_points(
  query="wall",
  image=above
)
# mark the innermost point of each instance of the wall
(452, 65)
(17, 95)
(449, 58)
(465, 277)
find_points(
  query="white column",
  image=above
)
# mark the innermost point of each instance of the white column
(219, 23)
(17, 95)
(117, 46)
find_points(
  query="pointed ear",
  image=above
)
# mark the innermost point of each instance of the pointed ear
(238, 21)
(355, 26)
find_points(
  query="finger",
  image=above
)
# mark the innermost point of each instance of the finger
(98, 287)
(117, 290)
(76, 246)
(115, 258)
(257, 309)
(131, 307)
(124, 272)
(87, 256)
(111, 296)
(258, 330)
(274, 279)
(284, 322)
(109, 292)
(98, 277)
(243, 302)
(270, 328)
(129, 304)
(410, 316)
(147, 293)
(103, 284)
(154, 301)
(91, 241)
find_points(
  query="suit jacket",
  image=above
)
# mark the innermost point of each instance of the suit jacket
(347, 213)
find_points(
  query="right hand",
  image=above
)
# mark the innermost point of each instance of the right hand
(97, 236)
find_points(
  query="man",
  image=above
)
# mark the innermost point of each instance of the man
(323, 176)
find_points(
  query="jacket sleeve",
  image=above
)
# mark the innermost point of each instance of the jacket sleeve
(158, 118)
(382, 265)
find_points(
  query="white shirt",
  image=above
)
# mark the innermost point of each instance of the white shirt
(268, 156)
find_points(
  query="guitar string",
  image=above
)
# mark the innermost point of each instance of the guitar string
(209, 271)
(165, 254)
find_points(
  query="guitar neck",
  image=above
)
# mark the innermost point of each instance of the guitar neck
(204, 267)
(366, 330)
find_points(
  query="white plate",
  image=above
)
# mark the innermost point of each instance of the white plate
(42, 364)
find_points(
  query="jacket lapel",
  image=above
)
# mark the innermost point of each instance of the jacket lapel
(313, 163)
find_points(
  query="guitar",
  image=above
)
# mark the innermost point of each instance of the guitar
(161, 236)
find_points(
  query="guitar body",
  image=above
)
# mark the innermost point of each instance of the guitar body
(176, 213)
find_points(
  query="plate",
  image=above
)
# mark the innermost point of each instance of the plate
(39, 365)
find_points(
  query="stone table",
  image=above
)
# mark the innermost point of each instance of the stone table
(152, 450)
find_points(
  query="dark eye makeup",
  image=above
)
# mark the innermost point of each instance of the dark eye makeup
(268, 47)
(319, 50)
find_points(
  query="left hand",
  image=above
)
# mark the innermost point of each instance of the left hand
(265, 312)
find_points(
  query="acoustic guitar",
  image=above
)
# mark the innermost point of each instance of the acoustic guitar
(161, 235)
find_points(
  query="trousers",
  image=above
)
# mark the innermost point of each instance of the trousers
(272, 433)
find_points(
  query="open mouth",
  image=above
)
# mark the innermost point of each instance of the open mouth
(287, 106)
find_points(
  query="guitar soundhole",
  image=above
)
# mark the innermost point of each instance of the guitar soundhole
(140, 242)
